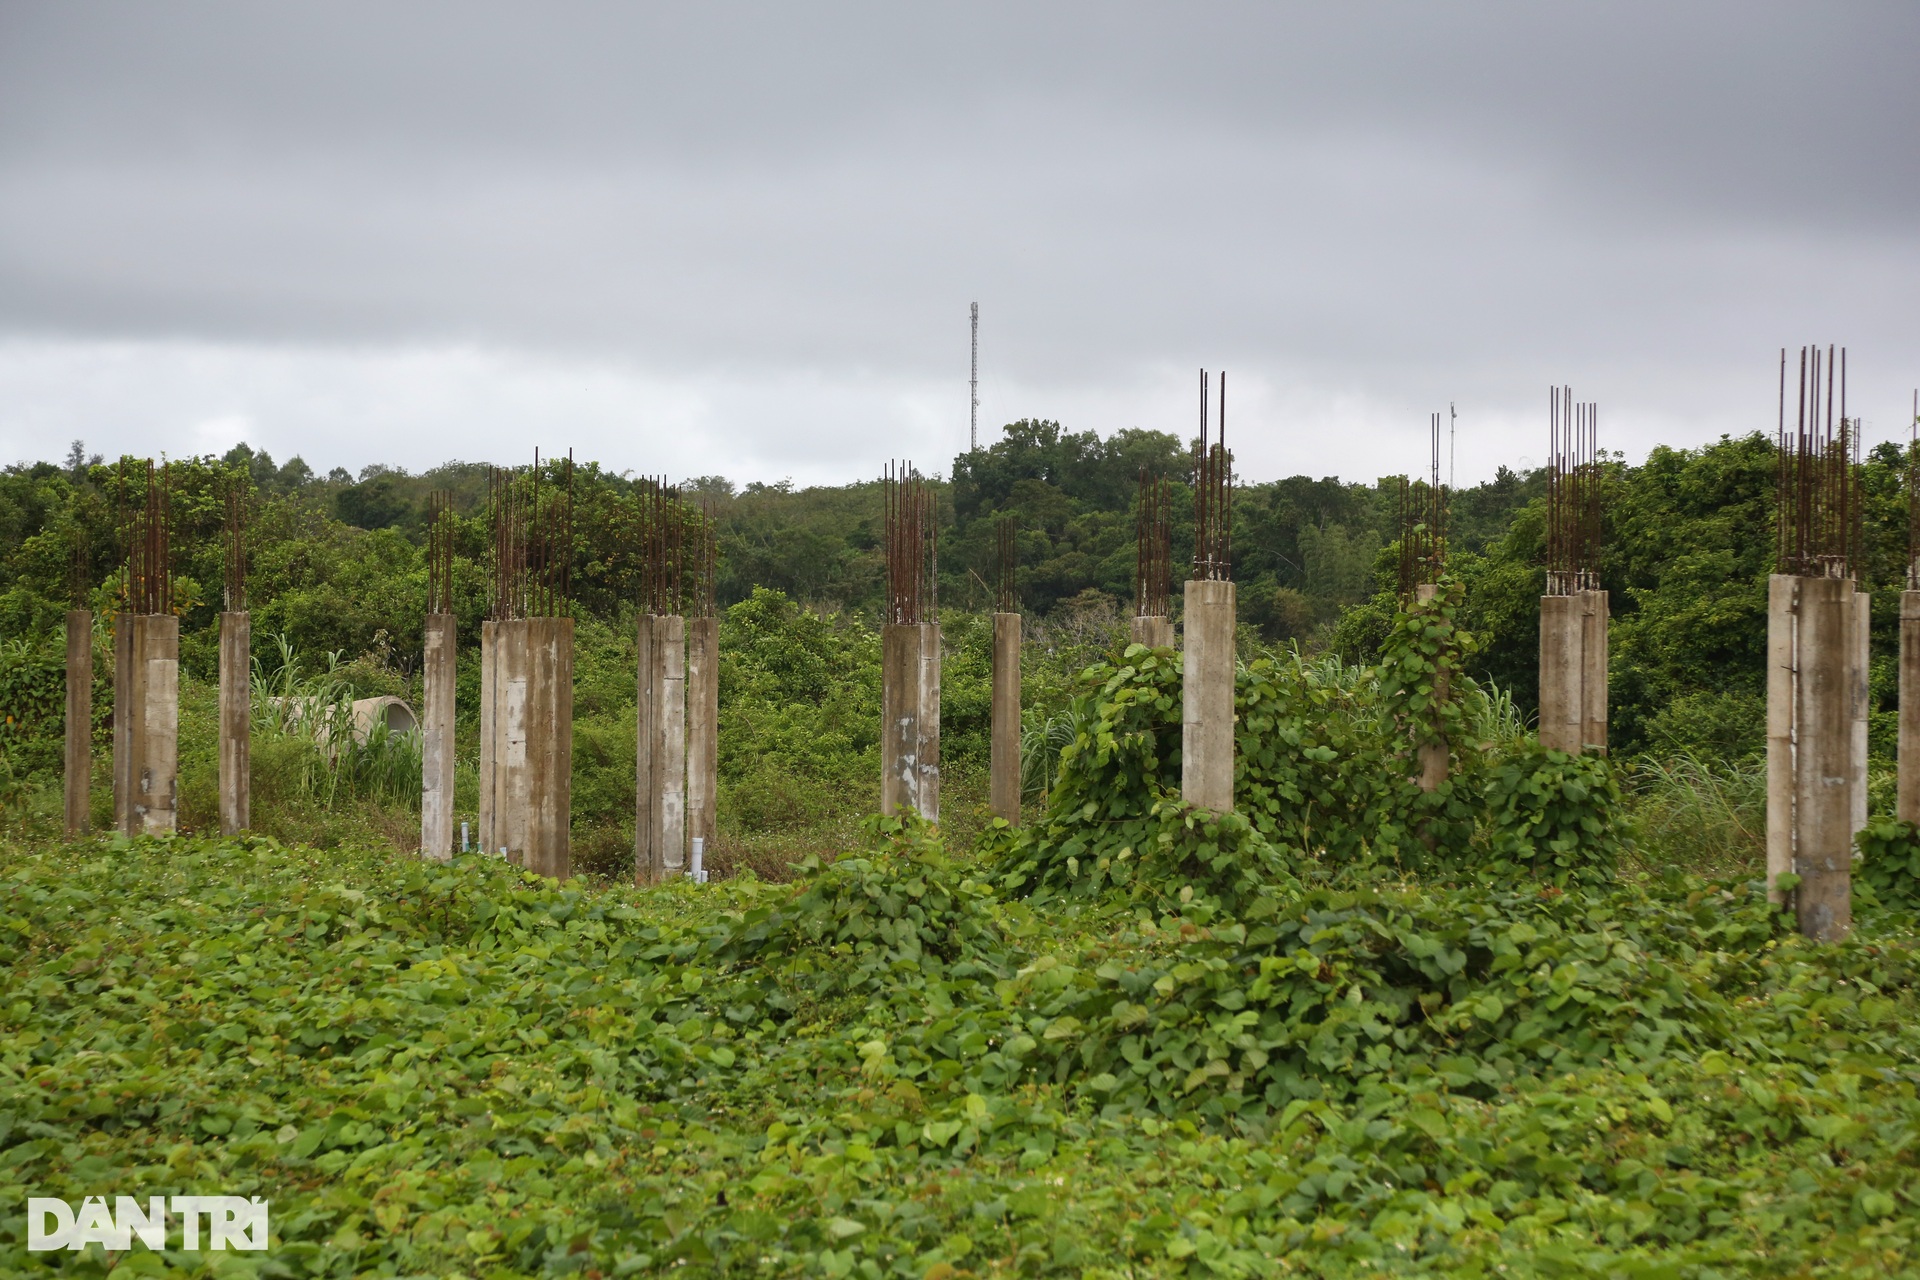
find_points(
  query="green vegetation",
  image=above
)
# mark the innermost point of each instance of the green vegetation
(1537, 1020)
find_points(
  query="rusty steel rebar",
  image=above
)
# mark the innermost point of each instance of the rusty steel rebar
(440, 540)
(532, 541)
(1820, 524)
(912, 519)
(703, 555)
(1573, 494)
(1153, 548)
(664, 529)
(1212, 495)
(146, 536)
(234, 539)
(1006, 540)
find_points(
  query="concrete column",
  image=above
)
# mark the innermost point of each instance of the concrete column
(900, 718)
(1155, 633)
(441, 636)
(1206, 724)
(703, 729)
(489, 758)
(1433, 756)
(545, 711)
(79, 762)
(1562, 666)
(1005, 764)
(147, 698)
(660, 834)
(1907, 801)
(1783, 601)
(1859, 635)
(1823, 747)
(1593, 682)
(236, 723)
(122, 717)
(927, 755)
(511, 715)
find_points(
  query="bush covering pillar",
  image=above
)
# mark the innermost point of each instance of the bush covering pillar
(1005, 764)
(79, 743)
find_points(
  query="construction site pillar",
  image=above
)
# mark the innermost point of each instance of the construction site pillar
(1823, 749)
(703, 730)
(1783, 598)
(910, 709)
(236, 722)
(440, 637)
(1594, 652)
(1206, 728)
(1573, 672)
(146, 702)
(1907, 799)
(1433, 756)
(548, 750)
(1860, 655)
(1153, 632)
(1005, 762)
(489, 743)
(660, 816)
(79, 753)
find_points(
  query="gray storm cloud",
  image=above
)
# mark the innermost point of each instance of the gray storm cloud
(742, 240)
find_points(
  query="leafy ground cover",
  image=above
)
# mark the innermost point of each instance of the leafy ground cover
(892, 1067)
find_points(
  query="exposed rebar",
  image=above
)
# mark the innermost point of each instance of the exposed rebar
(1007, 599)
(146, 537)
(1819, 507)
(234, 539)
(1573, 495)
(532, 541)
(704, 559)
(911, 545)
(1423, 523)
(1212, 495)
(440, 539)
(1153, 548)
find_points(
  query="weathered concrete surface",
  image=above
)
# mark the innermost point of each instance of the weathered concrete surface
(1907, 798)
(660, 806)
(910, 714)
(441, 633)
(1155, 633)
(1823, 749)
(703, 730)
(1562, 666)
(1783, 596)
(489, 740)
(1573, 672)
(146, 699)
(1206, 721)
(1004, 766)
(236, 723)
(79, 753)
(1859, 633)
(1595, 650)
(548, 750)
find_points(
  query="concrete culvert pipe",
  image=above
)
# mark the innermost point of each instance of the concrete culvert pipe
(393, 712)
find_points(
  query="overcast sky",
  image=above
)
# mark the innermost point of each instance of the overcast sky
(742, 240)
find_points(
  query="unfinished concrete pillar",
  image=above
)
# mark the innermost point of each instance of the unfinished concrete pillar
(1153, 632)
(1206, 722)
(489, 743)
(703, 730)
(1859, 638)
(236, 722)
(79, 754)
(440, 635)
(1823, 749)
(1433, 757)
(1573, 672)
(1005, 763)
(146, 700)
(1783, 600)
(910, 781)
(1595, 656)
(660, 815)
(547, 847)
(1907, 798)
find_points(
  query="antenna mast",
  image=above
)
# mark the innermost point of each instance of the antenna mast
(973, 384)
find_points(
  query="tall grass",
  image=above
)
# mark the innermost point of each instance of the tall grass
(1705, 816)
(312, 716)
